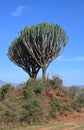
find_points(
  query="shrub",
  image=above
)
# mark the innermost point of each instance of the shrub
(28, 89)
(27, 93)
(4, 90)
(66, 107)
(10, 112)
(78, 103)
(32, 110)
(74, 92)
(76, 107)
(57, 82)
(31, 83)
(55, 106)
(80, 100)
(33, 87)
(39, 88)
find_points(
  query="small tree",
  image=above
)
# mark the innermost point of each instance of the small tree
(19, 54)
(45, 42)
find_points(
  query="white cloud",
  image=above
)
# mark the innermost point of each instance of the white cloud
(19, 11)
(72, 59)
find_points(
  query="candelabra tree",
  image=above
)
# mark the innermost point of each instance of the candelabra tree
(37, 46)
(45, 42)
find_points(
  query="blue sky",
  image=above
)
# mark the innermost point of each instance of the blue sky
(16, 14)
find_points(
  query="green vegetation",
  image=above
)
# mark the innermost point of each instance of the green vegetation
(4, 90)
(55, 106)
(77, 96)
(67, 107)
(32, 110)
(37, 101)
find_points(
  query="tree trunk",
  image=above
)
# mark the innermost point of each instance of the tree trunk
(44, 73)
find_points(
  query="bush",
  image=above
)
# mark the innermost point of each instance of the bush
(33, 87)
(74, 92)
(75, 106)
(28, 89)
(27, 92)
(78, 103)
(39, 88)
(57, 82)
(32, 110)
(80, 100)
(10, 112)
(55, 106)
(66, 107)
(4, 90)
(31, 83)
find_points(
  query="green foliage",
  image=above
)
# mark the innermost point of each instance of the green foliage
(77, 95)
(31, 83)
(55, 105)
(32, 110)
(10, 113)
(28, 88)
(33, 87)
(66, 107)
(75, 106)
(78, 103)
(39, 88)
(63, 108)
(80, 100)
(4, 90)
(27, 93)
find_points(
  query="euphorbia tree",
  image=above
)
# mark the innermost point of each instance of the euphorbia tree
(37, 46)
(44, 42)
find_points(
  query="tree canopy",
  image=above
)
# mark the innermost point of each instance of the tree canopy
(19, 55)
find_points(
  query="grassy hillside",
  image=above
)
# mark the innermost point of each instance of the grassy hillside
(37, 102)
